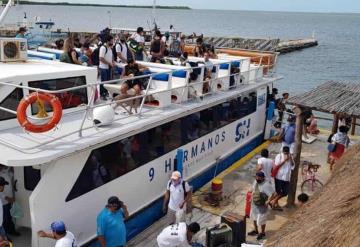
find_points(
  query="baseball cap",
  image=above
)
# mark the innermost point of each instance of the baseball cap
(260, 174)
(3, 181)
(176, 175)
(58, 226)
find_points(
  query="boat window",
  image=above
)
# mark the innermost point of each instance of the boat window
(68, 99)
(11, 102)
(31, 177)
(114, 160)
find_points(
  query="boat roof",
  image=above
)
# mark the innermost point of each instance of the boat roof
(36, 67)
(28, 149)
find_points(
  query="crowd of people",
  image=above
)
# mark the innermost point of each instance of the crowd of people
(112, 54)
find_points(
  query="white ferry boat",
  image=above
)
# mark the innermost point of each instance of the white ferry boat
(69, 172)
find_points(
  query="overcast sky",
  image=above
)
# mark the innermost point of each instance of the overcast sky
(270, 5)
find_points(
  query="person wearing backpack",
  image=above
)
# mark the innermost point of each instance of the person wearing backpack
(262, 194)
(122, 50)
(287, 134)
(106, 63)
(178, 193)
(138, 37)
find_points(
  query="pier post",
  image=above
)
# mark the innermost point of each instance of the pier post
(297, 153)
(335, 123)
(353, 126)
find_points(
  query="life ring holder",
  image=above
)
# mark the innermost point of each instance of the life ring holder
(32, 98)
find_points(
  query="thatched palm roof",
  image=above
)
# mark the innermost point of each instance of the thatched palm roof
(331, 97)
(331, 218)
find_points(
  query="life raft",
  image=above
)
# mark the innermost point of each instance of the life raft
(42, 97)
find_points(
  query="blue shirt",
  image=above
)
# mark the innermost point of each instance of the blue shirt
(19, 35)
(112, 227)
(289, 136)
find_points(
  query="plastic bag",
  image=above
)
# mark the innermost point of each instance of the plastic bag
(180, 215)
(16, 211)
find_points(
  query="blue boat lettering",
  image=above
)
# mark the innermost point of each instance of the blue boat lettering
(151, 173)
(242, 130)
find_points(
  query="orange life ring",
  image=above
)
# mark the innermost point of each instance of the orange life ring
(32, 98)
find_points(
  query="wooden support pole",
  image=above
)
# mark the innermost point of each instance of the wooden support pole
(335, 123)
(296, 156)
(353, 126)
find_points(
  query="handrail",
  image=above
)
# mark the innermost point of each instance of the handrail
(90, 106)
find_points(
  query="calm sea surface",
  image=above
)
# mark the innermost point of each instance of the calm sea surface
(336, 58)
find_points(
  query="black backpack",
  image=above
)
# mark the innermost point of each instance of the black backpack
(183, 186)
(175, 49)
(155, 46)
(95, 56)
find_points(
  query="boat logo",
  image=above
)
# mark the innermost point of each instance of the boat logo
(242, 130)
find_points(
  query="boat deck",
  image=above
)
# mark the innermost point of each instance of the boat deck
(34, 149)
(237, 181)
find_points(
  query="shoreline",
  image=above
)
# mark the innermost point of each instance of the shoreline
(104, 5)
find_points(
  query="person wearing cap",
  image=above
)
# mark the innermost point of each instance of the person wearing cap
(177, 235)
(178, 193)
(288, 134)
(63, 237)
(258, 211)
(21, 33)
(3, 182)
(111, 230)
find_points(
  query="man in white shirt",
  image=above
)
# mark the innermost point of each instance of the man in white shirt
(177, 235)
(106, 63)
(177, 194)
(285, 164)
(259, 207)
(139, 37)
(63, 238)
(265, 164)
(3, 182)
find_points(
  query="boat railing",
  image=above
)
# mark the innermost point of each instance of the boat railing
(87, 109)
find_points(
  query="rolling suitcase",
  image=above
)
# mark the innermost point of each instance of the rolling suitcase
(220, 235)
(238, 227)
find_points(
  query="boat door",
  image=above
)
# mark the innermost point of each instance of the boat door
(25, 181)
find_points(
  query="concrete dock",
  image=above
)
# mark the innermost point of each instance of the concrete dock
(237, 181)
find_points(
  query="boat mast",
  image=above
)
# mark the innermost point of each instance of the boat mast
(154, 14)
(5, 11)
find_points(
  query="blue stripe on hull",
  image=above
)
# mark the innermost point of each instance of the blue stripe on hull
(147, 216)
(143, 219)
